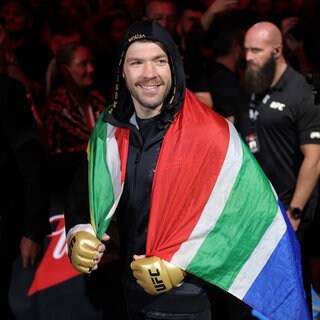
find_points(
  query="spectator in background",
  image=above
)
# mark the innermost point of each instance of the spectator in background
(189, 19)
(65, 20)
(32, 57)
(165, 12)
(102, 34)
(190, 36)
(225, 72)
(261, 9)
(280, 10)
(135, 7)
(70, 111)
(24, 214)
(300, 31)
(294, 51)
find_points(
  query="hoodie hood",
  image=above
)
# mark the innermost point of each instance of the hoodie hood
(122, 108)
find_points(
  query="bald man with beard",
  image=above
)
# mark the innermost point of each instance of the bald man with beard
(281, 126)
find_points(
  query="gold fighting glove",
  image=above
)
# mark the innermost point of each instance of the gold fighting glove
(82, 251)
(155, 275)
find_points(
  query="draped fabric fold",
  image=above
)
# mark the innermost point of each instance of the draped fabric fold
(213, 211)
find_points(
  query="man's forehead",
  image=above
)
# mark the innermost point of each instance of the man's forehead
(257, 38)
(141, 44)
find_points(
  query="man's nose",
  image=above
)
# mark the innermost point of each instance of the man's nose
(91, 67)
(149, 70)
(248, 55)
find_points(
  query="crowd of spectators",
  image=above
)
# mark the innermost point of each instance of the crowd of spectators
(34, 30)
(75, 42)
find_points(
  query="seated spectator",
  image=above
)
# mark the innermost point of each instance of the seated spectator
(71, 109)
(65, 20)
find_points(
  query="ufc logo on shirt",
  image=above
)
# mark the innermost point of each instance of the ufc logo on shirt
(277, 105)
(315, 135)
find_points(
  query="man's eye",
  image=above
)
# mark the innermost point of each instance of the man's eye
(255, 50)
(162, 61)
(82, 64)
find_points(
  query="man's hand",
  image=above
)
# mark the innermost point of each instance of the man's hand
(315, 269)
(30, 251)
(155, 275)
(85, 251)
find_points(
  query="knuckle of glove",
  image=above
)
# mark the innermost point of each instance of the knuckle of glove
(82, 251)
(155, 275)
(82, 269)
(174, 273)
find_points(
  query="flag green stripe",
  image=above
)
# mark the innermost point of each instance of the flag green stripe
(100, 187)
(261, 255)
(243, 203)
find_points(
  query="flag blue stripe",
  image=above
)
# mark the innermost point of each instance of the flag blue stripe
(271, 282)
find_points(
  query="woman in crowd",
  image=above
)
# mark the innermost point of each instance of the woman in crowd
(71, 109)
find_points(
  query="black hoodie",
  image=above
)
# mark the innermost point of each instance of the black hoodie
(122, 108)
(133, 210)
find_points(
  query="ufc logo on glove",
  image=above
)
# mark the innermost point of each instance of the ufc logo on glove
(158, 283)
(165, 277)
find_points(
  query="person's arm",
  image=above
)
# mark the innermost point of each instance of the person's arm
(307, 179)
(205, 97)
(30, 156)
(295, 44)
(314, 251)
(216, 7)
(315, 273)
(312, 246)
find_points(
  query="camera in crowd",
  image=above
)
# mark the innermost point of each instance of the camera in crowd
(314, 81)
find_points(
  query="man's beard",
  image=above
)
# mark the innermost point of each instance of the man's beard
(259, 80)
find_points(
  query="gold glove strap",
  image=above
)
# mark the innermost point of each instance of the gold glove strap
(156, 275)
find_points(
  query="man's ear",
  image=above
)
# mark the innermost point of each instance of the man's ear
(277, 51)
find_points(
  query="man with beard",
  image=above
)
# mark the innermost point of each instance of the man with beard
(282, 128)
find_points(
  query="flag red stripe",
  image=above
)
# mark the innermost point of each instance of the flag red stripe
(189, 164)
(122, 138)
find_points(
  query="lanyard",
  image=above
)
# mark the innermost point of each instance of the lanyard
(253, 108)
(252, 137)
